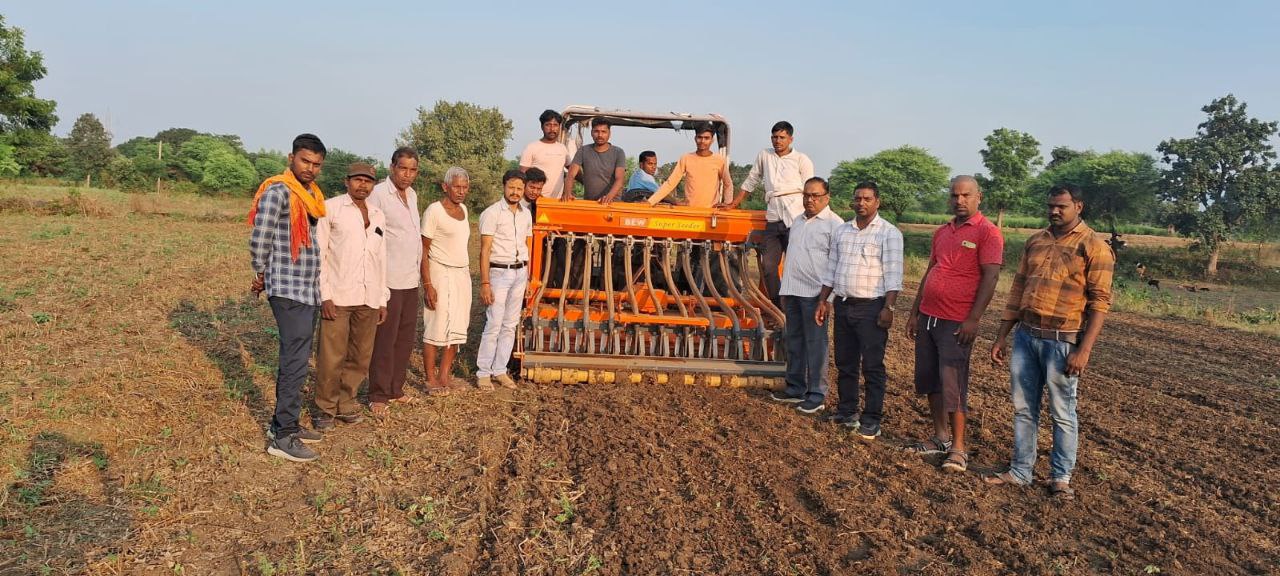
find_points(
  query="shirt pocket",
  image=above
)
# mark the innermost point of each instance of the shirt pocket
(869, 253)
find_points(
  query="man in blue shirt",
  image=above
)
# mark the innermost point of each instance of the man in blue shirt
(642, 183)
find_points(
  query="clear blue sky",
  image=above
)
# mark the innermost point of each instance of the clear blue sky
(853, 78)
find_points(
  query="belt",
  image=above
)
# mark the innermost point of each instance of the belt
(516, 266)
(1068, 336)
(852, 300)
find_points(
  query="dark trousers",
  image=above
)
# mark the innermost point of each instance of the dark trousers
(860, 342)
(773, 244)
(392, 344)
(806, 349)
(296, 323)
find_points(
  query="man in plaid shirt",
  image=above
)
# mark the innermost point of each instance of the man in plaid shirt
(1059, 299)
(286, 260)
(864, 272)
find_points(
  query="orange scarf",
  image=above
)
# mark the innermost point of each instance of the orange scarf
(302, 202)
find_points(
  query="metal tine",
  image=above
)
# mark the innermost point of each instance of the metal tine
(736, 334)
(562, 336)
(609, 340)
(683, 346)
(534, 331)
(751, 310)
(686, 266)
(585, 341)
(761, 301)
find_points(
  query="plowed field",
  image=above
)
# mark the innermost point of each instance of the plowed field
(137, 380)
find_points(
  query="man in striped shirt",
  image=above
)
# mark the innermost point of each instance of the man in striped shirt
(807, 259)
(1059, 299)
(864, 272)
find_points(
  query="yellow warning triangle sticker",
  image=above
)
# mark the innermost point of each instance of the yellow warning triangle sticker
(543, 219)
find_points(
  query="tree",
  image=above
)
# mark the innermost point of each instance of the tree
(121, 173)
(192, 155)
(38, 153)
(89, 146)
(904, 175)
(1011, 157)
(1117, 185)
(1062, 154)
(462, 134)
(174, 138)
(8, 165)
(1221, 178)
(268, 163)
(227, 171)
(19, 70)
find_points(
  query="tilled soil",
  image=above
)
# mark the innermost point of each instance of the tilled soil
(133, 427)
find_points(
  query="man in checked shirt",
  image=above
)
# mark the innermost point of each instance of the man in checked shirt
(864, 272)
(1059, 299)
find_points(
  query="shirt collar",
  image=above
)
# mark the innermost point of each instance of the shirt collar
(872, 224)
(976, 219)
(826, 210)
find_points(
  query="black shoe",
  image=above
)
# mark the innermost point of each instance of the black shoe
(322, 423)
(850, 420)
(353, 418)
(781, 396)
(291, 448)
(869, 432)
(811, 406)
(308, 436)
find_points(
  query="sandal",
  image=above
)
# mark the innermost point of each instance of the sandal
(956, 461)
(406, 399)
(934, 445)
(1061, 491)
(1002, 479)
(379, 409)
(437, 391)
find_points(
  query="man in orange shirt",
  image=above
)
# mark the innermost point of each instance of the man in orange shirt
(708, 174)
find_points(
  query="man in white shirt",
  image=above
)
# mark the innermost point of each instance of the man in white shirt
(505, 229)
(783, 171)
(548, 153)
(396, 337)
(353, 296)
(807, 261)
(864, 273)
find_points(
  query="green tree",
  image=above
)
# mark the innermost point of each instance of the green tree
(20, 109)
(123, 174)
(268, 163)
(1062, 154)
(1117, 185)
(89, 147)
(462, 134)
(38, 153)
(8, 165)
(1221, 178)
(904, 175)
(174, 138)
(226, 171)
(1011, 157)
(192, 155)
(333, 177)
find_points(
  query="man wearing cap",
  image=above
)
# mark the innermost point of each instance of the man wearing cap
(353, 293)
(783, 171)
(397, 336)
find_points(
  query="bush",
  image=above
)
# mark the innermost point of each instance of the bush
(123, 174)
(228, 172)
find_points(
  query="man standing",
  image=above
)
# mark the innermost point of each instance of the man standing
(505, 229)
(783, 171)
(402, 235)
(353, 296)
(864, 272)
(600, 164)
(964, 266)
(534, 180)
(446, 280)
(286, 259)
(548, 154)
(708, 173)
(807, 261)
(1059, 299)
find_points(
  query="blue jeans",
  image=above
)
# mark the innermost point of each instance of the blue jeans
(1038, 363)
(806, 349)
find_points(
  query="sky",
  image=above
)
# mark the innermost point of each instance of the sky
(853, 77)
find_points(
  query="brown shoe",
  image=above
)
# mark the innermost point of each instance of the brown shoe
(506, 381)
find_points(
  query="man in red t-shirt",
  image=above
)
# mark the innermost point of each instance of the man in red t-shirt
(964, 265)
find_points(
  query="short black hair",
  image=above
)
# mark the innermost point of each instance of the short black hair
(513, 175)
(647, 154)
(1077, 195)
(819, 180)
(403, 152)
(534, 176)
(783, 126)
(702, 127)
(868, 185)
(549, 115)
(309, 142)
(601, 121)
